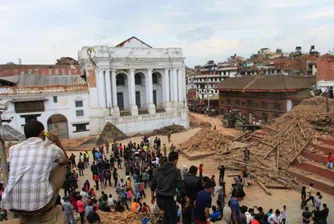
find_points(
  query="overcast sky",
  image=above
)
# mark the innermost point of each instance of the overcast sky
(39, 31)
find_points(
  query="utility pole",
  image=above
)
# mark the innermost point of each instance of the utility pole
(208, 92)
(4, 165)
(327, 104)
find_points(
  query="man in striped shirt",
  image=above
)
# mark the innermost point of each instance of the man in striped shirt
(37, 172)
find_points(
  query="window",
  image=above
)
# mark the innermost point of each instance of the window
(264, 105)
(29, 117)
(79, 113)
(155, 78)
(120, 80)
(222, 102)
(80, 127)
(55, 99)
(237, 102)
(250, 103)
(79, 103)
(29, 106)
(228, 101)
(276, 106)
(138, 79)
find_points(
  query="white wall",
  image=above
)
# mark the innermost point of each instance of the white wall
(64, 106)
(145, 123)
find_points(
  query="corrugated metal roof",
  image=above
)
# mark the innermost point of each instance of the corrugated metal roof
(42, 80)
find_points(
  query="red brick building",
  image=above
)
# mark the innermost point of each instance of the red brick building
(326, 71)
(265, 96)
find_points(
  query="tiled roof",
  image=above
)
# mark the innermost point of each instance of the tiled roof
(271, 83)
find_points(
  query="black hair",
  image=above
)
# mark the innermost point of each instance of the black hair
(33, 129)
(270, 210)
(277, 212)
(325, 205)
(193, 169)
(243, 209)
(214, 208)
(208, 185)
(260, 209)
(306, 208)
(173, 156)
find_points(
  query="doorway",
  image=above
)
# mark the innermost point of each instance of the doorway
(120, 101)
(138, 102)
(155, 97)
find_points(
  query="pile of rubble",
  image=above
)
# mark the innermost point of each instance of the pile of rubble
(69, 144)
(280, 143)
(125, 217)
(110, 133)
(174, 128)
(195, 123)
(206, 140)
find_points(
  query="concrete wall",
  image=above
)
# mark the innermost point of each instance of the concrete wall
(64, 106)
(145, 123)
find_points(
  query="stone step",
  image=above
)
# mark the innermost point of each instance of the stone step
(125, 113)
(319, 183)
(324, 148)
(143, 111)
(322, 171)
(314, 156)
(329, 142)
(160, 110)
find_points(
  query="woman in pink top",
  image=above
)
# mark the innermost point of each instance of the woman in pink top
(81, 209)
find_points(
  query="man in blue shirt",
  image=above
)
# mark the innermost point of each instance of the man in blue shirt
(235, 209)
(216, 214)
(203, 204)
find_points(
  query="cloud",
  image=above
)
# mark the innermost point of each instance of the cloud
(204, 29)
(198, 33)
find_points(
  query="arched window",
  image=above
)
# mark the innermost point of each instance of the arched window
(138, 79)
(155, 78)
(120, 80)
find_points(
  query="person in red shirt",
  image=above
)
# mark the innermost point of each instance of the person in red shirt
(121, 150)
(330, 161)
(201, 170)
(81, 209)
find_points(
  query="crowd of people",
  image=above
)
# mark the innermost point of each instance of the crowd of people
(146, 165)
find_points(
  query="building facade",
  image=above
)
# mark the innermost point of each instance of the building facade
(265, 97)
(56, 95)
(210, 75)
(325, 76)
(134, 86)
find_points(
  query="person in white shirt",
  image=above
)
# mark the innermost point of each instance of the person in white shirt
(283, 214)
(274, 218)
(249, 216)
(85, 196)
(37, 172)
(111, 201)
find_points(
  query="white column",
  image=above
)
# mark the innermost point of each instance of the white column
(166, 90)
(184, 86)
(114, 93)
(174, 86)
(108, 88)
(100, 86)
(132, 93)
(103, 88)
(149, 86)
(180, 86)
